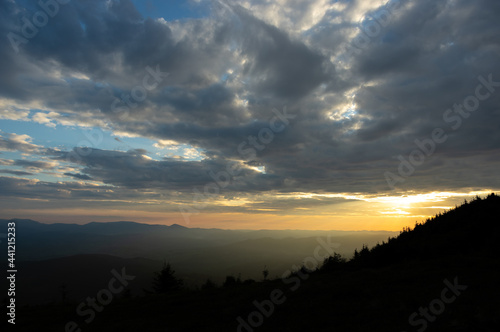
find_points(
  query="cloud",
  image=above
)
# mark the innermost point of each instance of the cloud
(358, 107)
(36, 189)
(35, 164)
(78, 176)
(14, 142)
(18, 173)
(44, 118)
(11, 114)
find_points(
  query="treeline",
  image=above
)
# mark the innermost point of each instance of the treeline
(165, 281)
(459, 231)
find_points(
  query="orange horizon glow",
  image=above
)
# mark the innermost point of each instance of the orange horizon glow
(367, 213)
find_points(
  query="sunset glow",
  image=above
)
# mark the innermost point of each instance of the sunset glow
(248, 115)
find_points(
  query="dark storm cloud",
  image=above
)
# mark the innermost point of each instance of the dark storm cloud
(34, 164)
(210, 106)
(227, 72)
(79, 176)
(24, 188)
(111, 44)
(74, 194)
(286, 68)
(19, 173)
(432, 64)
(134, 170)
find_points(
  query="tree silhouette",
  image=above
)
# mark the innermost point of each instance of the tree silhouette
(231, 281)
(333, 263)
(209, 284)
(64, 293)
(165, 281)
(265, 272)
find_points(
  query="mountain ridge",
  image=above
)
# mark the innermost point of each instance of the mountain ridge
(178, 226)
(379, 289)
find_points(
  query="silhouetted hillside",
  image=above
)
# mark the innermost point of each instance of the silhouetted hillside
(40, 281)
(469, 229)
(441, 276)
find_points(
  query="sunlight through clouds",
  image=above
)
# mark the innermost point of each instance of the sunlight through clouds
(285, 108)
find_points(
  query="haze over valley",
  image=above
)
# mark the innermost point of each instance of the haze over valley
(249, 165)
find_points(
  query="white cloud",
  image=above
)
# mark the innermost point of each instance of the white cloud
(17, 115)
(44, 118)
(14, 142)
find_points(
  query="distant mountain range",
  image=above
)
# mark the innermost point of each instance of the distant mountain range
(130, 239)
(195, 253)
(441, 275)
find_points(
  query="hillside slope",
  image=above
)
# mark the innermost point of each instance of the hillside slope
(441, 276)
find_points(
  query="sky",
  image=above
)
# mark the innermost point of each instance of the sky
(251, 114)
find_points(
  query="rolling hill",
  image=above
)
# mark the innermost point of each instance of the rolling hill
(441, 275)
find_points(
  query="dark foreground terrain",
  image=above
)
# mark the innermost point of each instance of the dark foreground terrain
(443, 275)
